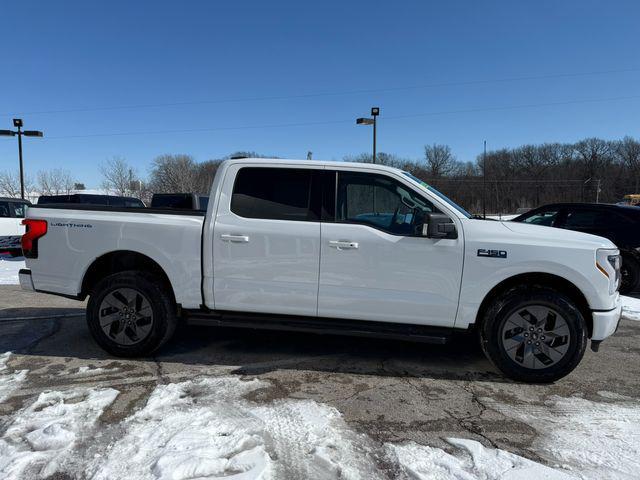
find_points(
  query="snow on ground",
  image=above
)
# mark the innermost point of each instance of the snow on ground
(9, 381)
(631, 308)
(86, 371)
(473, 461)
(42, 436)
(9, 268)
(596, 440)
(205, 429)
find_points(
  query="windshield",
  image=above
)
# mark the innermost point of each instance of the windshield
(438, 194)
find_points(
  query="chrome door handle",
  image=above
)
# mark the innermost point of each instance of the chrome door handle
(343, 244)
(234, 238)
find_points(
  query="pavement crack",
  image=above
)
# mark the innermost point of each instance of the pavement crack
(471, 422)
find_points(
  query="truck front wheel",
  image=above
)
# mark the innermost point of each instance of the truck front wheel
(131, 314)
(534, 334)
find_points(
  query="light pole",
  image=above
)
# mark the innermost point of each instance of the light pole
(484, 181)
(17, 122)
(375, 111)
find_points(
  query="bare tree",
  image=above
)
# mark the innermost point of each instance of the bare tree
(173, 174)
(55, 182)
(628, 149)
(118, 176)
(440, 160)
(10, 184)
(204, 175)
(594, 154)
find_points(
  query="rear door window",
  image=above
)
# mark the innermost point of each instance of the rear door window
(274, 194)
(4, 210)
(19, 209)
(583, 219)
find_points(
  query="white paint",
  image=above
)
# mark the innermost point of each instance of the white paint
(9, 267)
(9, 381)
(631, 308)
(41, 437)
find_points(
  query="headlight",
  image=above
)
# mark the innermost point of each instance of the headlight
(609, 263)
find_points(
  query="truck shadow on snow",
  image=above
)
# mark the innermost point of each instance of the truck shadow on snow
(63, 333)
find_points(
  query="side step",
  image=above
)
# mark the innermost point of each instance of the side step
(323, 326)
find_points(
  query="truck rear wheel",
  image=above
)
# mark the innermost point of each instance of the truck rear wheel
(131, 314)
(534, 334)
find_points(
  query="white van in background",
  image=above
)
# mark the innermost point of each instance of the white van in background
(12, 211)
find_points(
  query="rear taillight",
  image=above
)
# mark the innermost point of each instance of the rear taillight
(34, 230)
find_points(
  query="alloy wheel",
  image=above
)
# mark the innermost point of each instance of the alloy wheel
(126, 316)
(535, 336)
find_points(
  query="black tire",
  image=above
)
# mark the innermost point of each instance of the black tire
(630, 272)
(508, 341)
(128, 331)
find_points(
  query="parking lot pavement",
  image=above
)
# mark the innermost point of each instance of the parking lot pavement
(391, 391)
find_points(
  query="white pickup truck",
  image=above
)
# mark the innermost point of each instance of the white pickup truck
(12, 211)
(330, 247)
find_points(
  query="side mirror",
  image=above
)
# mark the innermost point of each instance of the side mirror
(438, 225)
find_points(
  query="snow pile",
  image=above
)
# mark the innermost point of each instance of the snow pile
(9, 268)
(9, 382)
(205, 429)
(630, 308)
(41, 437)
(598, 440)
(474, 461)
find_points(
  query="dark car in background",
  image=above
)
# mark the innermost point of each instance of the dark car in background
(180, 201)
(618, 223)
(91, 199)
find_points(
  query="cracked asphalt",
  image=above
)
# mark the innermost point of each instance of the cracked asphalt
(390, 390)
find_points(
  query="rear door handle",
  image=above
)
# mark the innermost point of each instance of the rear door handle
(234, 238)
(343, 244)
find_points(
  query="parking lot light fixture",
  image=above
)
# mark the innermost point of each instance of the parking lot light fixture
(375, 111)
(17, 123)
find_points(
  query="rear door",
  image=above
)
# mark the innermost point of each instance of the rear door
(375, 266)
(266, 240)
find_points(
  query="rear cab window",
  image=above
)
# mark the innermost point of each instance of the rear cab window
(276, 194)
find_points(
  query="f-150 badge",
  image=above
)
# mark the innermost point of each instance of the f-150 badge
(483, 252)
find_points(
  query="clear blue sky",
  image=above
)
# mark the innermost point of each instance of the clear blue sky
(222, 63)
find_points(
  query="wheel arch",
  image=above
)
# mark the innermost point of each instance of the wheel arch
(541, 279)
(120, 261)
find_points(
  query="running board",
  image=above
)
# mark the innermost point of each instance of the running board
(322, 326)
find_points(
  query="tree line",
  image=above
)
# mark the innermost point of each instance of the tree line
(503, 181)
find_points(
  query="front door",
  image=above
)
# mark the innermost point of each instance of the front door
(266, 241)
(376, 266)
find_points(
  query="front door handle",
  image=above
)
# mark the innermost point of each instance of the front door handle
(234, 238)
(343, 244)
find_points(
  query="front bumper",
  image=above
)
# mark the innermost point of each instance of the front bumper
(26, 282)
(606, 322)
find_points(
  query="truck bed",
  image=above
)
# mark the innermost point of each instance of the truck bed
(79, 235)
